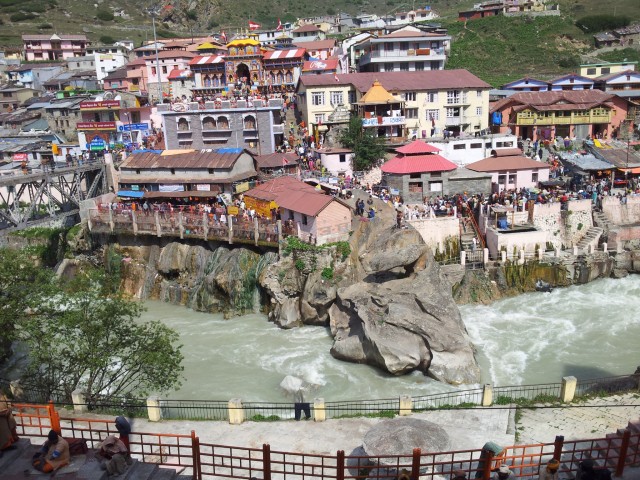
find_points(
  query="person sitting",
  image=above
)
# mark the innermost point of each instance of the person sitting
(8, 434)
(53, 455)
(551, 470)
(115, 455)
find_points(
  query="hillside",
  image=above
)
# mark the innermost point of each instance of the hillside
(496, 49)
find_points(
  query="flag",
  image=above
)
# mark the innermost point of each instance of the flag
(285, 162)
(223, 36)
(253, 26)
(279, 27)
(335, 76)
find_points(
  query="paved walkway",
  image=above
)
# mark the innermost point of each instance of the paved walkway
(467, 429)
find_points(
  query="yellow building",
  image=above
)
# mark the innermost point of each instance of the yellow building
(434, 101)
(594, 70)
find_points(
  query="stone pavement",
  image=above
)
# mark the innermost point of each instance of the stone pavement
(467, 429)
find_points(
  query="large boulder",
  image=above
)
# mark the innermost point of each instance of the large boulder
(404, 324)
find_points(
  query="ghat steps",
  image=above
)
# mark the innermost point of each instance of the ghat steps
(15, 464)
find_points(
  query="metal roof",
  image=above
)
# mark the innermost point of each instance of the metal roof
(196, 159)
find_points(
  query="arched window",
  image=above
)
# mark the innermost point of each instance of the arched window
(183, 124)
(223, 123)
(272, 78)
(249, 122)
(280, 78)
(208, 123)
(289, 77)
(216, 81)
(207, 81)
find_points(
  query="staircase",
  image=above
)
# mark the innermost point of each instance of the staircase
(607, 451)
(592, 237)
(15, 464)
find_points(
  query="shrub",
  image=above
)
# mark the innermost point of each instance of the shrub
(598, 23)
(105, 16)
(45, 26)
(107, 40)
(569, 61)
(162, 33)
(20, 16)
(327, 273)
(299, 264)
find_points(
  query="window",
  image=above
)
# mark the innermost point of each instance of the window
(388, 67)
(433, 114)
(305, 221)
(153, 70)
(415, 187)
(479, 93)
(534, 177)
(404, 67)
(419, 66)
(317, 98)
(605, 70)
(183, 125)
(410, 96)
(453, 96)
(432, 97)
(512, 179)
(416, 176)
(388, 47)
(404, 45)
(475, 145)
(460, 146)
(591, 71)
(343, 158)
(436, 174)
(352, 97)
(411, 113)
(502, 178)
(319, 118)
(336, 98)
(435, 186)
(453, 112)
(479, 111)
(173, 171)
(137, 171)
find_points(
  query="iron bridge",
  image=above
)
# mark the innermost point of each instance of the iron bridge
(31, 199)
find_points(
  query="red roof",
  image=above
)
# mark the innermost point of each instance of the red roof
(307, 28)
(206, 59)
(417, 146)
(404, 164)
(178, 74)
(506, 162)
(169, 54)
(277, 160)
(284, 54)
(292, 194)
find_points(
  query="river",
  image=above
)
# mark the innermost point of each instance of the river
(587, 331)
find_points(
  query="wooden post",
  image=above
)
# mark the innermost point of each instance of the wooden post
(415, 464)
(205, 225)
(266, 461)
(156, 217)
(195, 456)
(558, 444)
(486, 470)
(624, 447)
(256, 232)
(340, 465)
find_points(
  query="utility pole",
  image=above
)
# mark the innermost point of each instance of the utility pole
(155, 42)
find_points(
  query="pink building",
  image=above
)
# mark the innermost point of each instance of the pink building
(166, 61)
(510, 170)
(53, 47)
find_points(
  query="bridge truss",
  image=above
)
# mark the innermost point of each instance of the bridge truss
(40, 197)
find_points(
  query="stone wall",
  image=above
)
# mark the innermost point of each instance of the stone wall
(620, 214)
(565, 228)
(437, 231)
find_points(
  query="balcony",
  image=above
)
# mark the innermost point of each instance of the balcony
(383, 121)
(418, 54)
(453, 121)
(526, 119)
(459, 100)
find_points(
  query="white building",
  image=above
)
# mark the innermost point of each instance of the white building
(108, 58)
(337, 161)
(468, 149)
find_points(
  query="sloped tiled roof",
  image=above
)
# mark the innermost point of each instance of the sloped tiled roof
(276, 160)
(316, 44)
(272, 189)
(405, 164)
(170, 54)
(416, 147)
(399, 81)
(292, 194)
(196, 159)
(506, 162)
(329, 64)
(282, 54)
(177, 74)
(378, 94)
(539, 99)
(307, 28)
(206, 60)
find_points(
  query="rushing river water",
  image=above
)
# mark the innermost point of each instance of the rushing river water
(588, 331)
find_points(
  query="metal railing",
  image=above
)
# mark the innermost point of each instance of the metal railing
(208, 460)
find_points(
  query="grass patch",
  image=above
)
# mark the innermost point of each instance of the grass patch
(264, 418)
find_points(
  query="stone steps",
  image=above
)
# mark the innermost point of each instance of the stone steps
(592, 237)
(15, 464)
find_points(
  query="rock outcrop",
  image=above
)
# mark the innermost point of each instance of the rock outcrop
(387, 303)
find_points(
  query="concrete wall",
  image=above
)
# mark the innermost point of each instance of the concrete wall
(527, 241)
(436, 231)
(333, 223)
(622, 214)
(564, 228)
(449, 186)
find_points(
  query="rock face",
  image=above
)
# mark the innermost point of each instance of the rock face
(387, 304)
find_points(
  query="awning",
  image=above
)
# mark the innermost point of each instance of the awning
(130, 193)
(634, 171)
(190, 193)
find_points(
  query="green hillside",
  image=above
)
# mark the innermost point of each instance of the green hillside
(497, 49)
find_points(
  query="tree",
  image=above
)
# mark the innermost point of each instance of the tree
(367, 148)
(83, 334)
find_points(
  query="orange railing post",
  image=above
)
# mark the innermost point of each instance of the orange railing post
(626, 436)
(340, 465)
(558, 444)
(266, 461)
(415, 464)
(486, 468)
(54, 419)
